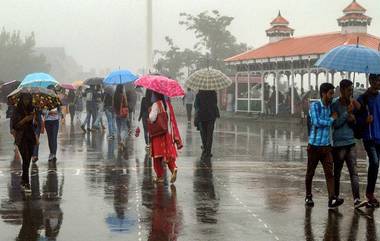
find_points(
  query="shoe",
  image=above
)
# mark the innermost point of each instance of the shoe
(34, 159)
(89, 130)
(25, 187)
(372, 201)
(83, 128)
(309, 201)
(174, 176)
(359, 204)
(335, 202)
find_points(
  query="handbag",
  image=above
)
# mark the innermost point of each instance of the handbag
(123, 112)
(160, 126)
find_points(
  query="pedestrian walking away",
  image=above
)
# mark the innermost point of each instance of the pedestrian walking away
(344, 149)
(164, 146)
(120, 106)
(144, 115)
(110, 113)
(22, 126)
(188, 101)
(368, 119)
(206, 105)
(319, 148)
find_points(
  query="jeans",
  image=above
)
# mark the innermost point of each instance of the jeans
(52, 128)
(91, 112)
(314, 155)
(341, 155)
(207, 132)
(373, 152)
(99, 116)
(111, 122)
(189, 109)
(121, 124)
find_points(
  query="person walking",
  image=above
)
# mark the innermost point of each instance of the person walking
(120, 106)
(163, 147)
(110, 113)
(206, 104)
(91, 109)
(188, 101)
(52, 118)
(99, 98)
(71, 104)
(22, 127)
(344, 150)
(78, 101)
(146, 103)
(368, 117)
(319, 148)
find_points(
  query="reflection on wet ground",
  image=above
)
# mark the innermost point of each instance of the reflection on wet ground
(252, 189)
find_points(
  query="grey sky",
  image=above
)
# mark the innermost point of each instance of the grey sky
(111, 33)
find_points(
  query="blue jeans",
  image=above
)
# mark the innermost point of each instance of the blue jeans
(52, 128)
(373, 152)
(121, 124)
(111, 122)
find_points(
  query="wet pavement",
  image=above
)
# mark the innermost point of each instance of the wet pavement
(252, 189)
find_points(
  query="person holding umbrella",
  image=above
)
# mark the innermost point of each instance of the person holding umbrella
(71, 104)
(120, 106)
(91, 109)
(22, 127)
(109, 111)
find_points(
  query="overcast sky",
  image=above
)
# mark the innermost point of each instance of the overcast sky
(111, 33)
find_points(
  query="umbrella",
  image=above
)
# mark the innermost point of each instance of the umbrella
(7, 88)
(94, 81)
(38, 80)
(78, 83)
(68, 86)
(120, 77)
(208, 79)
(42, 98)
(351, 58)
(161, 84)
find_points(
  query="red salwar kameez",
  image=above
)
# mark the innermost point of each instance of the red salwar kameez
(163, 148)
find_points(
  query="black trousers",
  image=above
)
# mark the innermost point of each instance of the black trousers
(189, 109)
(26, 150)
(207, 132)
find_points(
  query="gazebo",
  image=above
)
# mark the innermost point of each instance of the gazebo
(289, 56)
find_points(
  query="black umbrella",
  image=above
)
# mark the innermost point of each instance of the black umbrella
(7, 88)
(94, 81)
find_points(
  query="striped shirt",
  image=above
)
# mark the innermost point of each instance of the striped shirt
(321, 122)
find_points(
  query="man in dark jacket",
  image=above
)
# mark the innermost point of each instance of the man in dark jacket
(369, 118)
(206, 104)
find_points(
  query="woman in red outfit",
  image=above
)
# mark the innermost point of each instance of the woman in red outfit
(164, 147)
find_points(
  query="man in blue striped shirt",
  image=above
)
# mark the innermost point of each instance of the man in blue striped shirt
(319, 148)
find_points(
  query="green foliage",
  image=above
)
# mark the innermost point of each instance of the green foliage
(214, 44)
(17, 57)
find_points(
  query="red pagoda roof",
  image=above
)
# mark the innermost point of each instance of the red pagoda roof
(309, 45)
(354, 16)
(279, 20)
(280, 29)
(354, 7)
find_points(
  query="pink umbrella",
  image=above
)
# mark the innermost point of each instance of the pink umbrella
(68, 86)
(161, 84)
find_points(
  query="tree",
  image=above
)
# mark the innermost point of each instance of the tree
(169, 62)
(213, 36)
(17, 57)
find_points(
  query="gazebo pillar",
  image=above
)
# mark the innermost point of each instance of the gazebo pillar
(316, 80)
(309, 78)
(302, 81)
(249, 90)
(327, 76)
(333, 78)
(262, 92)
(292, 93)
(236, 91)
(277, 77)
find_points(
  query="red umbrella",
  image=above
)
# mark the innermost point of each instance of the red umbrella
(68, 86)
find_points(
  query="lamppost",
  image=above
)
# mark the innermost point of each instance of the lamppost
(149, 36)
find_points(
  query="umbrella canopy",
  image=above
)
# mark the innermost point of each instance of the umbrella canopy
(78, 83)
(161, 84)
(42, 98)
(351, 58)
(94, 81)
(7, 88)
(38, 80)
(208, 79)
(120, 77)
(68, 86)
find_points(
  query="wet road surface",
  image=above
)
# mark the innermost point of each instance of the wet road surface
(252, 189)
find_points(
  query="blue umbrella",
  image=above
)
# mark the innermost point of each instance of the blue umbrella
(120, 77)
(351, 58)
(38, 80)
